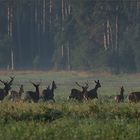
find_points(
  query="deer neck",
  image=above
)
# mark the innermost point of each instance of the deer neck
(6, 91)
(37, 90)
(96, 88)
(121, 93)
(21, 91)
(83, 92)
(52, 89)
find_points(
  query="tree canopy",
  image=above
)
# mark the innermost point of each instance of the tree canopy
(71, 34)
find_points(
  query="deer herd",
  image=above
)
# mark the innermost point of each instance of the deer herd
(48, 93)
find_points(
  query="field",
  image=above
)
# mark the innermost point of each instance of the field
(101, 119)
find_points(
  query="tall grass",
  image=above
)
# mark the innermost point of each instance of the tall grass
(101, 119)
(70, 120)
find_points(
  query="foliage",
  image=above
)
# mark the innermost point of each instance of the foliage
(36, 62)
(5, 49)
(79, 121)
(101, 35)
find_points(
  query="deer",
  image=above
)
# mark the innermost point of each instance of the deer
(7, 87)
(33, 95)
(77, 94)
(120, 98)
(134, 96)
(91, 94)
(48, 93)
(16, 96)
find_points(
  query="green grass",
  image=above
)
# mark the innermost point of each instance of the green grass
(70, 120)
(101, 119)
(68, 129)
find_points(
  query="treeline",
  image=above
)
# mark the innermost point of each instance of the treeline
(70, 34)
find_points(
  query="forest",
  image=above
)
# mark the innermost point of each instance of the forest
(96, 35)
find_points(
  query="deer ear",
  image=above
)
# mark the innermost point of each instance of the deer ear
(98, 81)
(95, 81)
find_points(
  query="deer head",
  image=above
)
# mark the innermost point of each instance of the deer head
(35, 84)
(54, 85)
(7, 85)
(98, 85)
(11, 81)
(122, 88)
(83, 87)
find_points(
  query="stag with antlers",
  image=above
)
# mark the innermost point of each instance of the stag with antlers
(91, 94)
(32, 95)
(7, 86)
(48, 94)
(77, 94)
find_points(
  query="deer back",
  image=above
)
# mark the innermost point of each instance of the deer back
(48, 94)
(2, 94)
(76, 94)
(134, 97)
(91, 94)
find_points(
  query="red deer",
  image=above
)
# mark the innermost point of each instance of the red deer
(48, 94)
(91, 94)
(77, 94)
(134, 97)
(32, 95)
(7, 86)
(16, 96)
(120, 98)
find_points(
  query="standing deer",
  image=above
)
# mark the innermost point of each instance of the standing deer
(33, 95)
(7, 86)
(48, 94)
(91, 94)
(16, 96)
(120, 98)
(77, 94)
(134, 97)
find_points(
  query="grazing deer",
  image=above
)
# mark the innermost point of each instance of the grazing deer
(33, 95)
(120, 98)
(77, 94)
(7, 86)
(48, 94)
(16, 96)
(91, 94)
(134, 97)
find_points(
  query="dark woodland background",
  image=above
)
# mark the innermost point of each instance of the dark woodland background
(98, 35)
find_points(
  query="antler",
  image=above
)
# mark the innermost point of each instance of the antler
(38, 84)
(32, 83)
(11, 81)
(3, 81)
(95, 81)
(86, 84)
(78, 84)
(12, 77)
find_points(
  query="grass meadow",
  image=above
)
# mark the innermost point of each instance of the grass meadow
(101, 119)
